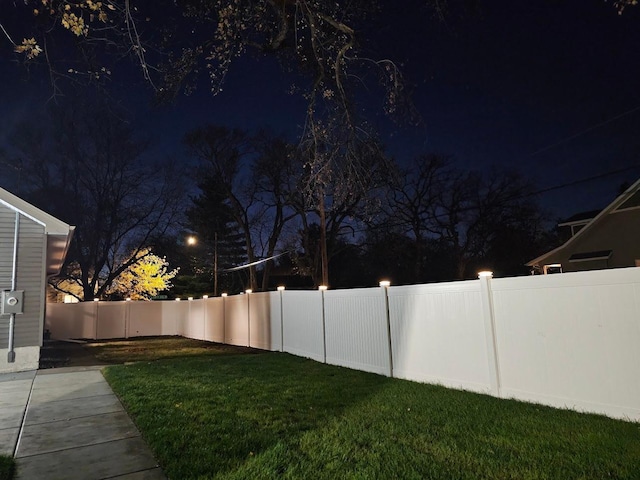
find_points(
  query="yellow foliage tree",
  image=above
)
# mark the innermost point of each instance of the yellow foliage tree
(144, 279)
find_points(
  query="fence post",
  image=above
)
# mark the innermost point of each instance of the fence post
(248, 291)
(176, 321)
(280, 290)
(224, 317)
(205, 318)
(96, 301)
(322, 289)
(127, 317)
(490, 331)
(385, 287)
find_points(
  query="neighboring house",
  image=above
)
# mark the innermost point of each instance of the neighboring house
(572, 225)
(608, 239)
(33, 246)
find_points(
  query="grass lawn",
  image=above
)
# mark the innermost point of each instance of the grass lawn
(7, 467)
(273, 415)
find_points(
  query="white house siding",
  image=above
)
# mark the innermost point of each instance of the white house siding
(30, 278)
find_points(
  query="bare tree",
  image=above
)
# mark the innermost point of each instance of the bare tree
(93, 175)
(341, 173)
(174, 42)
(275, 176)
(411, 200)
(463, 212)
(472, 209)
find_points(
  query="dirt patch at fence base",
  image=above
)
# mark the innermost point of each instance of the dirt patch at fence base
(82, 353)
(57, 353)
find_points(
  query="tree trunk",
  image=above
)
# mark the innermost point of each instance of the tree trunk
(417, 268)
(461, 266)
(266, 273)
(324, 257)
(215, 264)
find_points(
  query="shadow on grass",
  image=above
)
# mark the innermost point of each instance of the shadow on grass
(273, 415)
(209, 416)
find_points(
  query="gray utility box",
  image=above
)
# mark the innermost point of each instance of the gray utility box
(12, 302)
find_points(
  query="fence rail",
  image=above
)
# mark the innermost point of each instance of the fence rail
(569, 340)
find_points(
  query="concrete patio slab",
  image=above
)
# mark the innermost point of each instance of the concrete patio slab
(14, 394)
(59, 370)
(15, 389)
(10, 377)
(68, 424)
(93, 462)
(56, 393)
(11, 417)
(69, 380)
(96, 429)
(73, 376)
(72, 408)
(8, 439)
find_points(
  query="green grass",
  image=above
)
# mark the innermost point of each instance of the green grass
(155, 348)
(274, 415)
(7, 467)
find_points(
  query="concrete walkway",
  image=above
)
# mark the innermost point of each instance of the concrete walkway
(66, 423)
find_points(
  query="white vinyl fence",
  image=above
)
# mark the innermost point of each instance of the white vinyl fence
(568, 340)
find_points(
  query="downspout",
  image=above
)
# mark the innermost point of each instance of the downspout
(11, 355)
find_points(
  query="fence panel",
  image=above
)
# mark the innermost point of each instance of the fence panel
(195, 325)
(261, 331)
(356, 329)
(236, 320)
(303, 323)
(174, 315)
(71, 320)
(214, 320)
(112, 320)
(571, 340)
(275, 315)
(145, 319)
(438, 335)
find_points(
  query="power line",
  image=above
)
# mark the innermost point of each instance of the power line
(582, 180)
(587, 130)
(252, 264)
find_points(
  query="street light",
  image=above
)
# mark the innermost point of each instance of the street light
(192, 240)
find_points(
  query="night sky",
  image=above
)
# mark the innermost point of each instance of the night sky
(546, 87)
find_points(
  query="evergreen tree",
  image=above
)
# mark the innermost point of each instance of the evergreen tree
(219, 234)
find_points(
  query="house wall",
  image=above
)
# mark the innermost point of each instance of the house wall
(31, 279)
(618, 231)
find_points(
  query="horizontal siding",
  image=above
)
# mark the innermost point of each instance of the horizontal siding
(31, 245)
(7, 226)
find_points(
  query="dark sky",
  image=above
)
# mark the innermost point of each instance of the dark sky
(546, 87)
